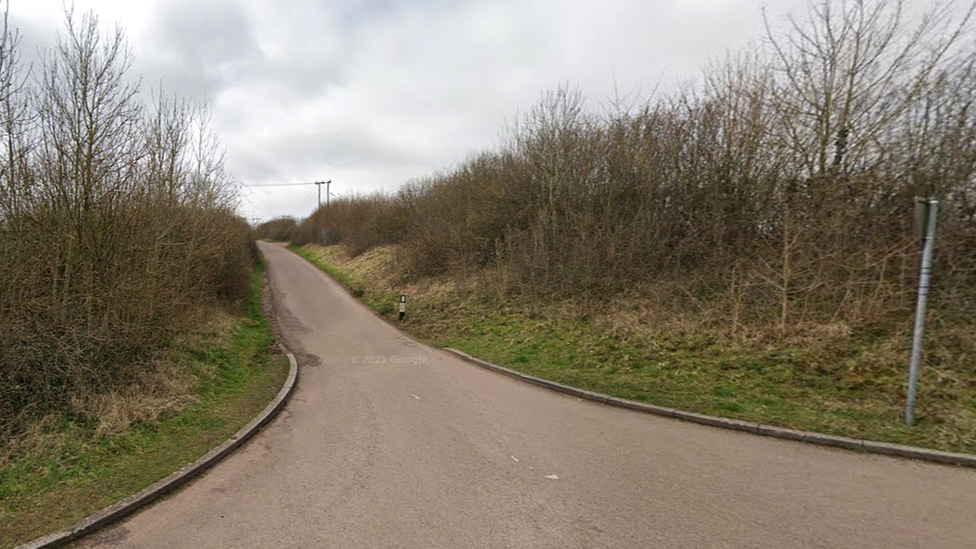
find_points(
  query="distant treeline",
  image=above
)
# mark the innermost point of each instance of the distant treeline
(117, 226)
(277, 230)
(778, 190)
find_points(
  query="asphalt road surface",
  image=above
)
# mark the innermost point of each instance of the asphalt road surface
(387, 443)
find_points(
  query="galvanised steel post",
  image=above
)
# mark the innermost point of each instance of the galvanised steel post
(925, 277)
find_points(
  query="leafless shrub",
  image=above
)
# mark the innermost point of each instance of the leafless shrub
(359, 223)
(117, 229)
(773, 199)
(278, 230)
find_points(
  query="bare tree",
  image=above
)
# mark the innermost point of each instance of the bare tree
(117, 229)
(849, 72)
(89, 120)
(168, 136)
(14, 118)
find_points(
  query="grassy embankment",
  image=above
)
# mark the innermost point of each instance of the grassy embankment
(814, 381)
(74, 471)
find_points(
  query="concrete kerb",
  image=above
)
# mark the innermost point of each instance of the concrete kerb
(132, 503)
(965, 460)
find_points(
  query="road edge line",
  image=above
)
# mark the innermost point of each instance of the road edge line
(134, 502)
(864, 446)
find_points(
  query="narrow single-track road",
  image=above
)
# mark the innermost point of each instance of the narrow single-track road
(388, 444)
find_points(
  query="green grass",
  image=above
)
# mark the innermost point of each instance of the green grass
(375, 296)
(753, 384)
(849, 386)
(324, 258)
(238, 376)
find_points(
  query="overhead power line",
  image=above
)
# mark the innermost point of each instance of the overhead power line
(280, 184)
(328, 193)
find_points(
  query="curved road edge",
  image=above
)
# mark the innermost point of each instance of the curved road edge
(132, 503)
(965, 460)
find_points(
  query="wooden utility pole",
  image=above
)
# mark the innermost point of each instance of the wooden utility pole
(327, 193)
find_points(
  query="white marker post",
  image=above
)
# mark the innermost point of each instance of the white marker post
(926, 211)
(403, 306)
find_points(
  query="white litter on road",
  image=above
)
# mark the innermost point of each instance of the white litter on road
(515, 458)
(552, 477)
(415, 396)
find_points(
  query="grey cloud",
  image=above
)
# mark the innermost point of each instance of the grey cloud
(307, 152)
(35, 37)
(371, 93)
(305, 47)
(198, 48)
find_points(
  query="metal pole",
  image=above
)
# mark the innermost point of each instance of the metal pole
(925, 276)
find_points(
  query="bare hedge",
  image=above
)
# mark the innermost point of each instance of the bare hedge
(117, 224)
(779, 188)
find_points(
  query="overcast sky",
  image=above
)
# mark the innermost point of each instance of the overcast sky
(372, 93)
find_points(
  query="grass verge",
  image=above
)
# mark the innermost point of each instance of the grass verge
(825, 380)
(361, 277)
(78, 471)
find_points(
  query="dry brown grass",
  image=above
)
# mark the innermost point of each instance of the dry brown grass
(68, 467)
(825, 377)
(721, 200)
(164, 388)
(101, 271)
(756, 229)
